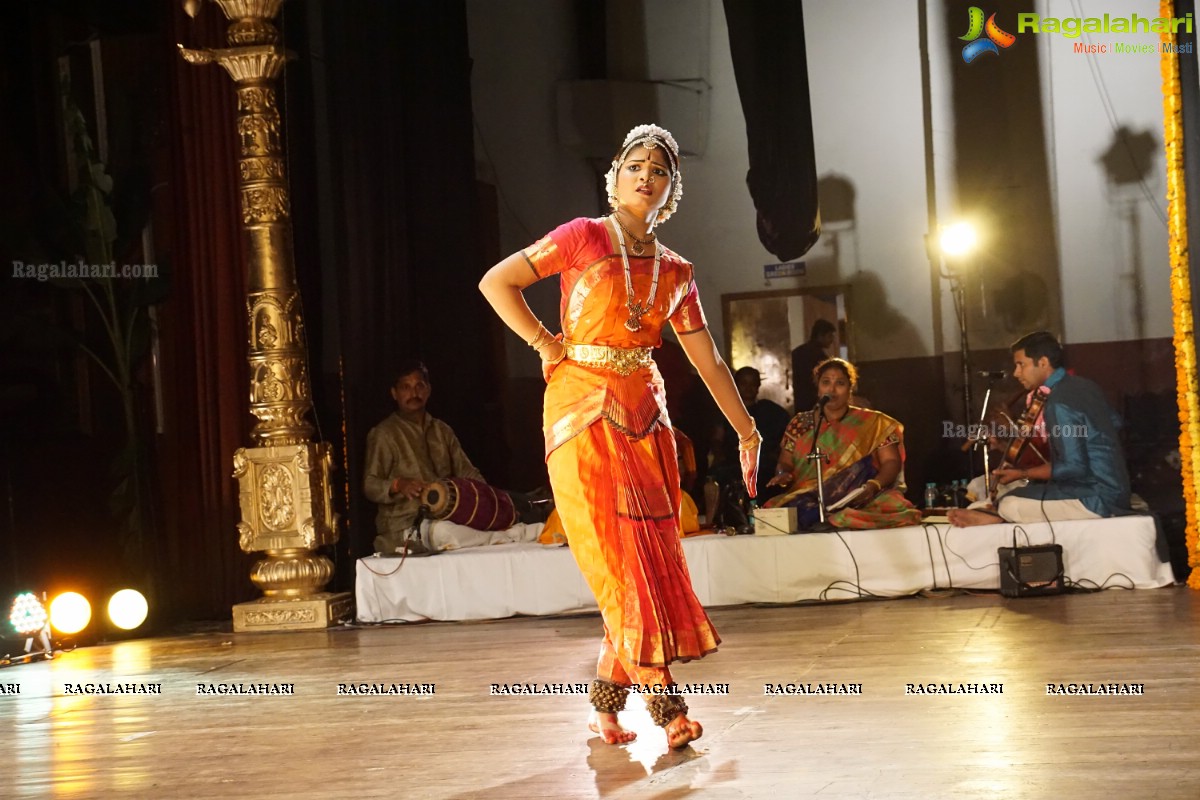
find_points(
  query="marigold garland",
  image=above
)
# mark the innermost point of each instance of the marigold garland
(1181, 298)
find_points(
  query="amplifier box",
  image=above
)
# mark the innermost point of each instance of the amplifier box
(774, 521)
(1031, 571)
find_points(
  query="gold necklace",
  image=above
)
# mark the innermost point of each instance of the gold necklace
(638, 310)
(639, 245)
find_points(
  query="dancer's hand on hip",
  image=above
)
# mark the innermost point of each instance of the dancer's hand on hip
(553, 354)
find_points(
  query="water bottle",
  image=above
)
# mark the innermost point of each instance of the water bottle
(931, 495)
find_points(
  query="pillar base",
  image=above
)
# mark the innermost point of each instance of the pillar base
(314, 612)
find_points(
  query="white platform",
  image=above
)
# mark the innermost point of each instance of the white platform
(530, 579)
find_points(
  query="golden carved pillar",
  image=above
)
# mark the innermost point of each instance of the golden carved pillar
(285, 495)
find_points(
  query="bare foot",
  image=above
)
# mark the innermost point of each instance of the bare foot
(968, 517)
(682, 731)
(609, 729)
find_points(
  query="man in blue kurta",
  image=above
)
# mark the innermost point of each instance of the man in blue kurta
(1086, 477)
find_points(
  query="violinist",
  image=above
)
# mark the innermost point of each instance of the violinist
(1085, 477)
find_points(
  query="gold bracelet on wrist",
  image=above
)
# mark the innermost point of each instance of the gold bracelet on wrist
(561, 356)
(540, 338)
(750, 441)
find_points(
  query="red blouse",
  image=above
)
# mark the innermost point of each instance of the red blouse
(593, 311)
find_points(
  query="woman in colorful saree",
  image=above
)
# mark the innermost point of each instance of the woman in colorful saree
(610, 450)
(864, 452)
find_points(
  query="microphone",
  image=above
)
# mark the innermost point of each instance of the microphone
(824, 399)
(994, 375)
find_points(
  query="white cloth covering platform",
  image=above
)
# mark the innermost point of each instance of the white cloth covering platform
(531, 579)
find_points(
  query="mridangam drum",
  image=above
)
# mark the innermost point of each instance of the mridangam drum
(470, 503)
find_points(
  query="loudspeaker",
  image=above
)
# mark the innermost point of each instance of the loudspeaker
(1031, 571)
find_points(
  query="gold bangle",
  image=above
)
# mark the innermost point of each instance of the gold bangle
(750, 440)
(878, 485)
(541, 334)
(561, 356)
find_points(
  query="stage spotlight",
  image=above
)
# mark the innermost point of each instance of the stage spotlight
(70, 612)
(28, 615)
(30, 619)
(127, 609)
(958, 239)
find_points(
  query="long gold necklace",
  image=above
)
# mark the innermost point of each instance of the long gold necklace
(636, 309)
(639, 245)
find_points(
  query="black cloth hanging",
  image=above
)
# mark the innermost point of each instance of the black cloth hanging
(766, 40)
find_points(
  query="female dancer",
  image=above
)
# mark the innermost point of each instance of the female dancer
(610, 450)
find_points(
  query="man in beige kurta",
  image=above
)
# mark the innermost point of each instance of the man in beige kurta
(405, 453)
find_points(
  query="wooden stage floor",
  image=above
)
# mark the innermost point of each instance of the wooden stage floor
(464, 742)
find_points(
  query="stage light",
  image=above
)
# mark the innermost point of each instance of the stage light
(28, 615)
(127, 609)
(70, 612)
(958, 239)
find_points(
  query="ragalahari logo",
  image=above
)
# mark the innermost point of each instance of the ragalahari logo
(996, 38)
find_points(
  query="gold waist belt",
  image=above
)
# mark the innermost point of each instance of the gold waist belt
(621, 360)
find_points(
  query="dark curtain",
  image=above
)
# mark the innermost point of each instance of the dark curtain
(60, 417)
(387, 180)
(766, 40)
(203, 329)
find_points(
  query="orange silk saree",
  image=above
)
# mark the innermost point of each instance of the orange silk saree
(611, 452)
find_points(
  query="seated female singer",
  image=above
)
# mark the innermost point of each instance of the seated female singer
(864, 459)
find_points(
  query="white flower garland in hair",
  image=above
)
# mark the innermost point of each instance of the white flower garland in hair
(651, 136)
(642, 132)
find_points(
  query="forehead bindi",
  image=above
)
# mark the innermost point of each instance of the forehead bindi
(640, 155)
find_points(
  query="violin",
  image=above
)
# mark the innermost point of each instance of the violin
(1037, 450)
(1027, 447)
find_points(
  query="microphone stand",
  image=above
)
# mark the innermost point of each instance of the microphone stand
(413, 536)
(818, 455)
(982, 443)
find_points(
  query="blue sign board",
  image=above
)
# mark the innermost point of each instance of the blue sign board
(792, 269)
